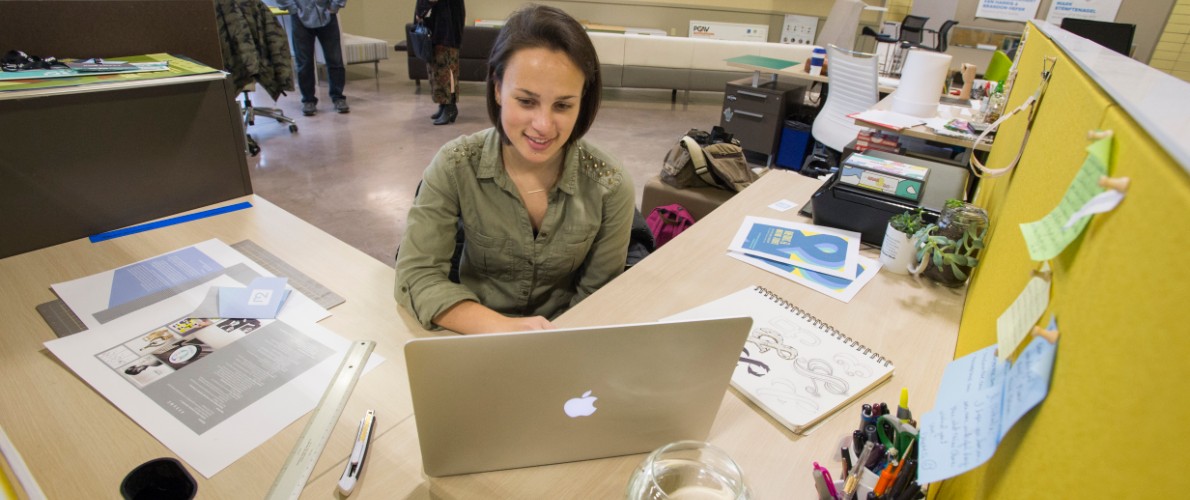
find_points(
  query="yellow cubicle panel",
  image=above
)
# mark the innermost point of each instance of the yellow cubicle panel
(1112, 424)
(1061, 122)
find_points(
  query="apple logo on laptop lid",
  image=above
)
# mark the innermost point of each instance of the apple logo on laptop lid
(582, 406)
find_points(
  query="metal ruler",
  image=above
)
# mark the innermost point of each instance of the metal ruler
(296, 471)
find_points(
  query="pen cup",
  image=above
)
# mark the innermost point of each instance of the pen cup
(687, 469)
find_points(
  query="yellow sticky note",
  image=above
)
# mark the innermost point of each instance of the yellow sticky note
(1014, 323)
(1046, 238)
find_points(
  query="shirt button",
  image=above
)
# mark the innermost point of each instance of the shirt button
(544, 234)
(525, 293)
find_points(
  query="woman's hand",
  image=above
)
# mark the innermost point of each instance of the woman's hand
(472, 317)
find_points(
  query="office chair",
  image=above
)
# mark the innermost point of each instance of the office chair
(250, 113)
(909, 36)
(840, 25)
(941, 36)
(853, 89)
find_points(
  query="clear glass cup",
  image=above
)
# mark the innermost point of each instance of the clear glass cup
(688, 470)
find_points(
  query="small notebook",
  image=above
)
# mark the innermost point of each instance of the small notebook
(797, 368)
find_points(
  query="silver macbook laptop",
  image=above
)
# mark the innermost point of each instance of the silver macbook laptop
(508, 400)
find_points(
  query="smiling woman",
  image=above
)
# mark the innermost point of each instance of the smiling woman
(545, 216)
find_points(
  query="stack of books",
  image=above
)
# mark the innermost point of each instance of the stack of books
(877, 140)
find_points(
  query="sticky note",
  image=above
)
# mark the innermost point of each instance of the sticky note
(1046, 238)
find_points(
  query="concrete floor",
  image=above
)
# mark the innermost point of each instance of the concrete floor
(353, 175)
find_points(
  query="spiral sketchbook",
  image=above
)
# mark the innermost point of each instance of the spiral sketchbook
(794, 366)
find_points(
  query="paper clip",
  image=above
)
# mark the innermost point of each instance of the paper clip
(1049, 335)
(1094, 135)
(1116, 183)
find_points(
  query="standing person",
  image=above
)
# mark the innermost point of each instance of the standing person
(545, 215)
(445, 20)
(317, 19)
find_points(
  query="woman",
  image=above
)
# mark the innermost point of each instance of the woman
(445, 20)
(546, 215)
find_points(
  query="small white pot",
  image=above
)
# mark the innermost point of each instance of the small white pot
(898, 251)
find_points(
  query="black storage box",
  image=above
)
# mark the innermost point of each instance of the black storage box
(848, 207)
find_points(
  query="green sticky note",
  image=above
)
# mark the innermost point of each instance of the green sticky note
(1046, 238)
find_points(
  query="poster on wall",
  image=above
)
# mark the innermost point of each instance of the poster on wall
(1095, 10)
(729, 31)
(1007, 10)
(799, 29)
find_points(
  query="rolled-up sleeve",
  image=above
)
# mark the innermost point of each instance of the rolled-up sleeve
(423, 262)
(609, 251)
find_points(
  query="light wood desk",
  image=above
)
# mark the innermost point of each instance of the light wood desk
(923, 132)
(80, 446)
(781, 67)
(914, 324)
(77, 444)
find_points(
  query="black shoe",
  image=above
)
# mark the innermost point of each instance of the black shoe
(449, 113)
(439, 113)
(309, 108)
(341, 106)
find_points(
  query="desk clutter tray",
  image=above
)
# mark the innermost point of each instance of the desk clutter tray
(64, 322)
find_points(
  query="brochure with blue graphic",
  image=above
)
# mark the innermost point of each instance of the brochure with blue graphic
(826, 250)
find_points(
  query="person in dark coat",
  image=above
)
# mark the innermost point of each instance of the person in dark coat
(445, 20)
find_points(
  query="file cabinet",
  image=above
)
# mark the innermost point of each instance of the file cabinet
(756, 115)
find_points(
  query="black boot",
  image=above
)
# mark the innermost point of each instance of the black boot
(449, 113)
(439, 113)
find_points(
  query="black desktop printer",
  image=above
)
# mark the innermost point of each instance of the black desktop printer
(866, 211)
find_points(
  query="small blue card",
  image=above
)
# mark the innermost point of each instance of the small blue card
(262, 299)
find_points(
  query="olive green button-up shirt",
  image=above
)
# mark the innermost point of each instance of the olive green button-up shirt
(581, 245)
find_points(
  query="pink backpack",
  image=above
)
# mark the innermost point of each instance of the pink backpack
(667, 222)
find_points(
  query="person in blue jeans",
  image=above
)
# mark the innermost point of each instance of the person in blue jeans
(317, 19)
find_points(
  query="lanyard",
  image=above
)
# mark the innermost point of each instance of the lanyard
(1031, 104)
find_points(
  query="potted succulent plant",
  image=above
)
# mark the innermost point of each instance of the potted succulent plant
(900, 241)
(949, 250)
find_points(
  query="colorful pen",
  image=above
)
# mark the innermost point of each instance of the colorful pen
(826, 476)
(903, 412)
(360, 451)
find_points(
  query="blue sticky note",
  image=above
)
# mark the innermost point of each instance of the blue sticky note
(262, 299)
(979, 400)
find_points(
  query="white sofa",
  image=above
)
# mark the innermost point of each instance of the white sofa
(680, 63)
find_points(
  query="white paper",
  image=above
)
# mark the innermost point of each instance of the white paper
(105, 296)
(887, 119)
(1102, 202)
(837, 288)
(783, 205)
(209, 389)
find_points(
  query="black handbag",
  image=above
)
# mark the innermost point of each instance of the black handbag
(419, 42)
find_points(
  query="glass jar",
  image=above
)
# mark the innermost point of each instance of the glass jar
(964, 226)
(687, 469)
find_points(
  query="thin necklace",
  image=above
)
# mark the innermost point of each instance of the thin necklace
(542, 190)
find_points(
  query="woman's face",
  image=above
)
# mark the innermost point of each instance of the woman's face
(539, 101)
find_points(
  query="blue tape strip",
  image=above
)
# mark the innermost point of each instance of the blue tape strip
(168, 222)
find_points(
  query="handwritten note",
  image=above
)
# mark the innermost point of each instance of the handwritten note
(1014, 323)
(1046, 238)
(980, 399)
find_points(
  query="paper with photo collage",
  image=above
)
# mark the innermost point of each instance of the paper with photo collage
(211, 389)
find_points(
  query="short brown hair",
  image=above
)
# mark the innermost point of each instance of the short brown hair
(541, 26)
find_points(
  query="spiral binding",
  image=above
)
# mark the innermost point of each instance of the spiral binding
(832, 331)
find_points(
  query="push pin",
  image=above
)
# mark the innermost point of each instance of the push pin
(1098, 134)
(1115, 183)
(1049, 335)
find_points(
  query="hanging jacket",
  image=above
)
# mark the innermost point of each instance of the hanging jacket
(255, 46)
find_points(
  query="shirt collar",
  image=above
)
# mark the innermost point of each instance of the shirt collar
(491, 165)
